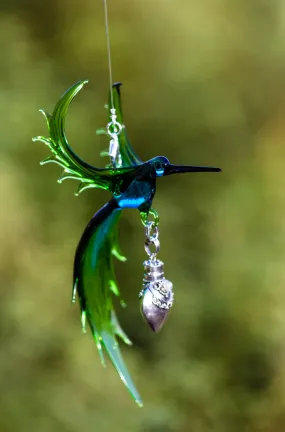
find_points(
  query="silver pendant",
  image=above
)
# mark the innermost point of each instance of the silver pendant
(156, 295)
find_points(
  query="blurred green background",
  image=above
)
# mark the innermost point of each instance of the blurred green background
(204, 83)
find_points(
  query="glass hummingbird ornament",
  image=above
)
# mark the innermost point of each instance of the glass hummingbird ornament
(132, 184)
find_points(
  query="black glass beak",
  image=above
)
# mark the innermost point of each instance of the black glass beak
(177, 169)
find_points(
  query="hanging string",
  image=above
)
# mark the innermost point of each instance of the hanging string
(114, 128)
(108, 50)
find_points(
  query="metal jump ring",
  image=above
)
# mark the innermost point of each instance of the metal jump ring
(147, 245)
(116, 124)
(151, 230)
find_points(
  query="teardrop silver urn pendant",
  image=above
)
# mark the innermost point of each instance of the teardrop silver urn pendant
(156, 294)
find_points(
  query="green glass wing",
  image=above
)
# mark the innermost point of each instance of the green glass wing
(128, 155)
(63, 155)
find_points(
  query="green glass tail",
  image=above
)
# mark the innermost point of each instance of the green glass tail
(94, 279)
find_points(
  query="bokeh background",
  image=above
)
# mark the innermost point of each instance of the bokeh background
(204, 83)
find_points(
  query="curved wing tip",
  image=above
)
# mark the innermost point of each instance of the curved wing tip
(117, 87)
(78, 85)
(139, 402)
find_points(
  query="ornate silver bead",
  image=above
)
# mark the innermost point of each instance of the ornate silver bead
(156, 295)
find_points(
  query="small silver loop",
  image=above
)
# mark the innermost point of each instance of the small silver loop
(116, 132)
(148, 243)
(115, 125)
(151, 230)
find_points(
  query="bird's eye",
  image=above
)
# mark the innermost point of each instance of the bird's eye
(159, 168)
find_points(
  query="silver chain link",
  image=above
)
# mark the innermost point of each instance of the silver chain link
(151, 239)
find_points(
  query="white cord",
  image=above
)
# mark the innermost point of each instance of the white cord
(108, 51)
